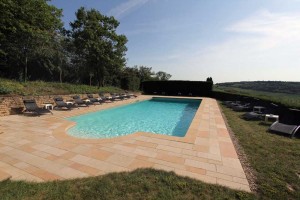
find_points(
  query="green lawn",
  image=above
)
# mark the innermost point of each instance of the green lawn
(140, 184)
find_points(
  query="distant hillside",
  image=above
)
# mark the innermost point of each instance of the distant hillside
(266, 86)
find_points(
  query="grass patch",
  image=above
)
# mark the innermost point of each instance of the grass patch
(139, 184)
(275, 158)
(11, 87)
(289, 100)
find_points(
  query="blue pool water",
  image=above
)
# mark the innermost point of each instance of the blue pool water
(159, 115)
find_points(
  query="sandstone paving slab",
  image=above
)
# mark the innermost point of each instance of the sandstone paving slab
(38, 149)
(4, 176)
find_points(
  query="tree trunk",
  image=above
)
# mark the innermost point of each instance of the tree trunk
(60, 75)
(98, 78)
(25, 70)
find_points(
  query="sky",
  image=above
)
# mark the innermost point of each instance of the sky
(232, 40)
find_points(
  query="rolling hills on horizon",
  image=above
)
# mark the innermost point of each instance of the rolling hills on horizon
(265, 86)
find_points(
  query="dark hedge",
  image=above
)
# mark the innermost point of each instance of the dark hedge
(185, 88)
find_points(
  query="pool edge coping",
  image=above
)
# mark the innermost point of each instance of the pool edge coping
(190, 136)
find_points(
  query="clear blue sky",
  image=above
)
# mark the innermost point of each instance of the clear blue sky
(232, 40)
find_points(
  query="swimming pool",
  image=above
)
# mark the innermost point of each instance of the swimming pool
(167, 116)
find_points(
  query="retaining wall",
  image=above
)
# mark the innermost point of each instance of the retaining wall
(10, 105)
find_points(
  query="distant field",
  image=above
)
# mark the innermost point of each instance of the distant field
(290, 100)
(266, 86)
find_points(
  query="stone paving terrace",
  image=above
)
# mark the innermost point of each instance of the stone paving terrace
(38, 149)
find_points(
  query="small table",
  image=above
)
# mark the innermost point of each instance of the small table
(270, 116)
(48, 106)
(69, 102)
(258, 109)
(86, 100)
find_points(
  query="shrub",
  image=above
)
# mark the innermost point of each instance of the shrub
(48, 88)
(196, 88)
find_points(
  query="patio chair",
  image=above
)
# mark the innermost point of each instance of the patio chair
(284, 128)
(116, 97)
(32, 107)
(61, 104)
(105, 99)
(94, 100)
(233, 104)
(80, 102)
(125, 96)
(253, 116)
(288, 124)
(258, 113)
(130, 94)
(242, 107)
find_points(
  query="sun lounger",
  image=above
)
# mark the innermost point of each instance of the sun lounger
(94, 100)
(130, 94)
(258, 113)
(232, 104)
(116, 97)
(288, 124)
(61, 104)
(80, 102)
(245, 107)
(32, 107)
(105, 99)
(253, 116)
(284, 128)
(124, 96)
(225, 103)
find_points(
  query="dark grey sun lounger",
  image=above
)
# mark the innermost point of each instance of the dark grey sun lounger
(130, 94)
(79, 101)
(284, 128)
(32, 107)
(94, 100)
(116, 97)
(242, 107)
(61, 104)
(256, 114)
(252, 116)
(288, 124)
(105, 99)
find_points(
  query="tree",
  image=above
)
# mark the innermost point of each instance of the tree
(145, 73)
(97, 43)
(162, 76)
(26, 32)
(129, 79)
(209, 79)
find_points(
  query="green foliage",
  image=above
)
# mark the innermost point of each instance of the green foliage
(34, 46)
(27, 31)
(162, 76)
(97, 44)
(130, 83)
(10, 87)
(47, 88)
(209, 79)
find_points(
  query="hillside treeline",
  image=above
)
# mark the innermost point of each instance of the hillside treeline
(266, 86)
(34, 45)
